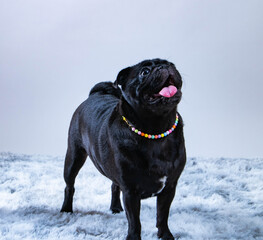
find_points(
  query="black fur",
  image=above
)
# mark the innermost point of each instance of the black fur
(133, 163)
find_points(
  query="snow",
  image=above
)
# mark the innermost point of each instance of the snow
(215, 199)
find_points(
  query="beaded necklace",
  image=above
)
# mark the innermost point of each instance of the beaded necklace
(152, 136)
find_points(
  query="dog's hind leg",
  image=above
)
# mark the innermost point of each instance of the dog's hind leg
(75, 158)
(115, 199)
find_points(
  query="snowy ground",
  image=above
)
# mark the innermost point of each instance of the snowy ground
(216, 199)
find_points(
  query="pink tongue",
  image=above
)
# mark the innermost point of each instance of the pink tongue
(168, 91)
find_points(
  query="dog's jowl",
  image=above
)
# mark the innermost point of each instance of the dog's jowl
(133, 133)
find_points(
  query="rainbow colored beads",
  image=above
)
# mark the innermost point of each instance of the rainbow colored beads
(152, 136)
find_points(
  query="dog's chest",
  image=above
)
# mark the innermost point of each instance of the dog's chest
(163, 182)
(153, 176)
(150, 166)
(149, 186)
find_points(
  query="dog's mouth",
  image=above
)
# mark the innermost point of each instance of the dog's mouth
(166, 91)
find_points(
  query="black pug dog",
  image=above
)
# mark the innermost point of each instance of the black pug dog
(132, 132)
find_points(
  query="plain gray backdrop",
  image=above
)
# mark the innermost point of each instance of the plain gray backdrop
(53, 51)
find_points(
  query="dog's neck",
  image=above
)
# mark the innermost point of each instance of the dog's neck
(147, 120)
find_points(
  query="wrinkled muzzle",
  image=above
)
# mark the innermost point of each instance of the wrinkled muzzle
(161, 84)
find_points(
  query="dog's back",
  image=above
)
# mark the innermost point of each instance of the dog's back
(91, 119)
(96, 110)
(106, 88)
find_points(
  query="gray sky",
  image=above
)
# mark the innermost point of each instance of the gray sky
(52, 52)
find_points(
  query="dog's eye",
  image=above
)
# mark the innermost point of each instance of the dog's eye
(145, 72)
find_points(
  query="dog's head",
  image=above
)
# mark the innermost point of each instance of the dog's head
(153, 85)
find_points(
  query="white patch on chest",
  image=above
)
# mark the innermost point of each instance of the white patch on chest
(163, 181)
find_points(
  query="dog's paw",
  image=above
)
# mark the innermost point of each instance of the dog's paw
(116, 207)
(165, 235)
(133, 237)
(66, 209)
(116, 210)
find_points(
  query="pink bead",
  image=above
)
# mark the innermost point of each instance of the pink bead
(170, 131)
(139, 132)
(149, 136)
(133, 129)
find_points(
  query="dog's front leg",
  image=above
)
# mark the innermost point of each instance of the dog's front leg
(164, 200)
(132, 204)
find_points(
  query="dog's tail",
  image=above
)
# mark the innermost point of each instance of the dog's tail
(106, 88)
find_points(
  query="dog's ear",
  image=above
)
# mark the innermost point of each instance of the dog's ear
(122, 76)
